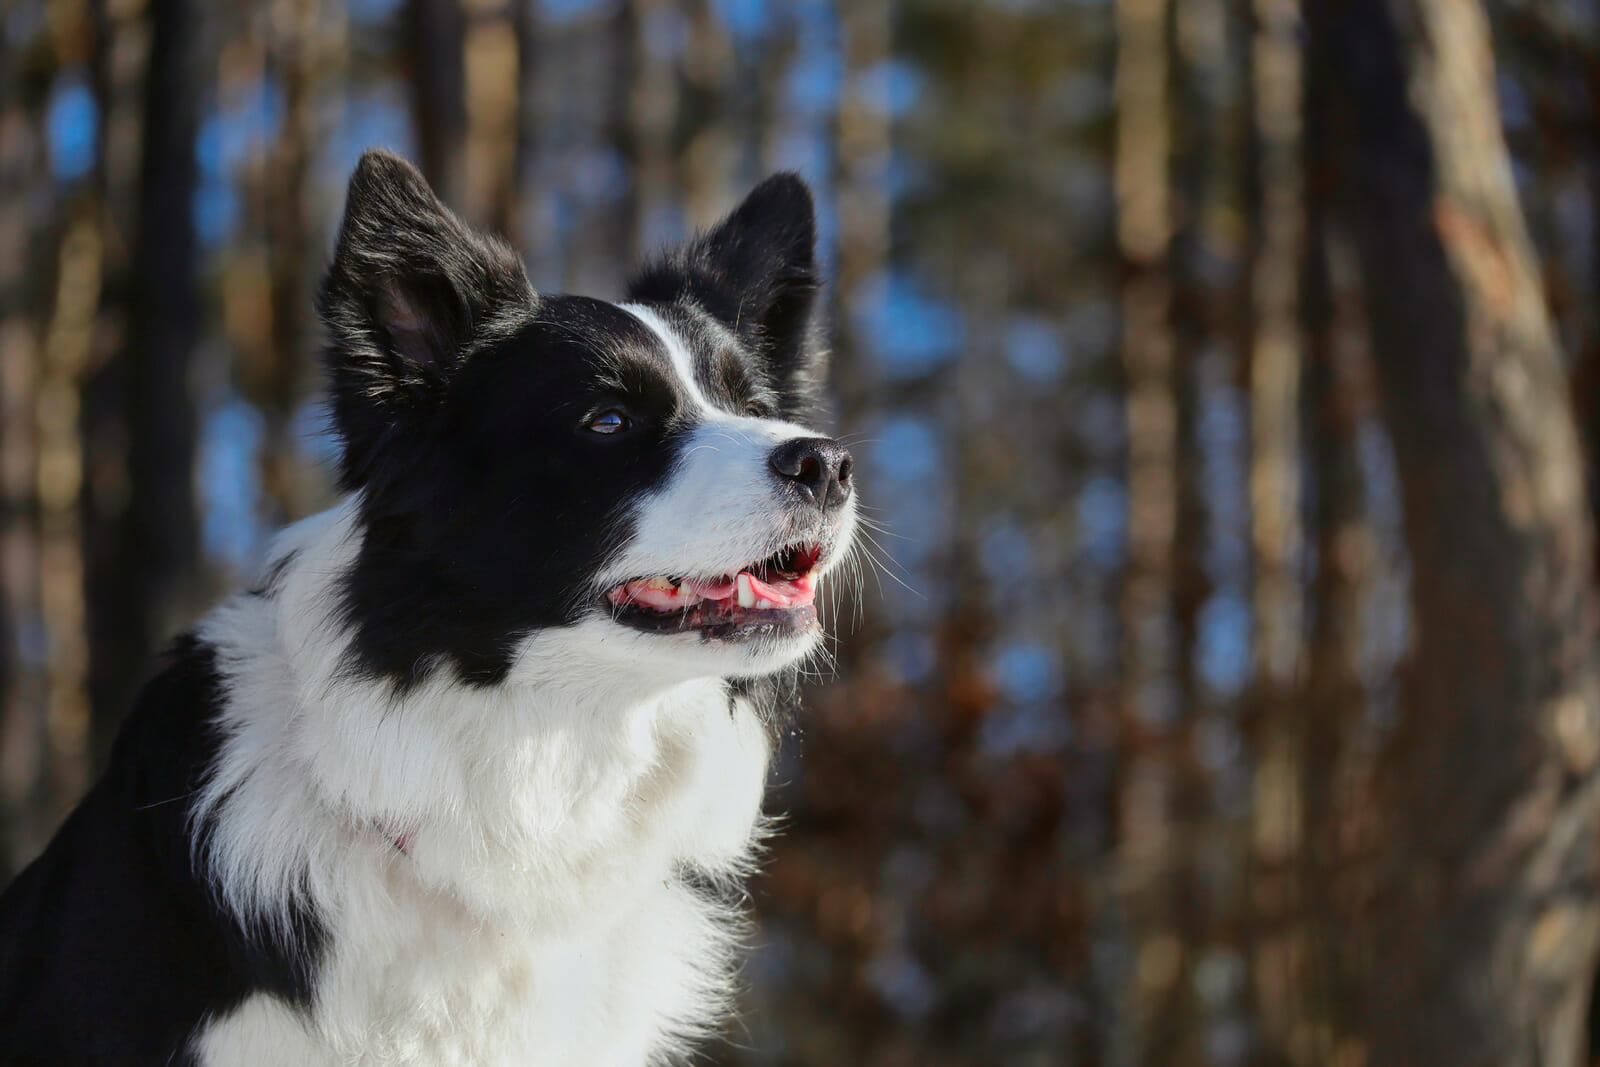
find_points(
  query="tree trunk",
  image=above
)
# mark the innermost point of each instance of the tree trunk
(1335, 748)
(1146, 846)
(1485, 916)
(491, 80)
(275, 380)
(436, 29)
(31, 800)
(1279, 933)
(147, 551)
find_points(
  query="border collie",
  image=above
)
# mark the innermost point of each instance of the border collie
(473, 773)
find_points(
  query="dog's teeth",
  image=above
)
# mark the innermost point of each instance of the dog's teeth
(747, 595)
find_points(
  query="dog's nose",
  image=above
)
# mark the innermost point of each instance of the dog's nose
(818, 466)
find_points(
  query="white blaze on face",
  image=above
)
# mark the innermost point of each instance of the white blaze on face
(721, 509)
(677, 351)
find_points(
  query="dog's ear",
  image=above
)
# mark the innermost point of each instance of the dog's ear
(756, 271)
(411, 289)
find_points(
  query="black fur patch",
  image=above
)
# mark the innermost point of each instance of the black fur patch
(112, 946)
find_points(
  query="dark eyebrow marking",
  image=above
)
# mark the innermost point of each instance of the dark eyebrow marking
(617, 352)
(631, 376)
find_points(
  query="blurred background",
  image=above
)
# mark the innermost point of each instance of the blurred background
(1221, 374)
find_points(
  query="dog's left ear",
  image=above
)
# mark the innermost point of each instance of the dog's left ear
(411, 289)
(756, 272)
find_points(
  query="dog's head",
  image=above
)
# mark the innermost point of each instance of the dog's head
(639, 473)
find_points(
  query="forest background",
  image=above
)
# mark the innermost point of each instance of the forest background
(1224, 374)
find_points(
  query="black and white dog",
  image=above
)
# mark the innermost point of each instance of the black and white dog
(472, 775)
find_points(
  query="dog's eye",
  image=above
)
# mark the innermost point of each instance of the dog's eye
(608, 422)
(756, 410)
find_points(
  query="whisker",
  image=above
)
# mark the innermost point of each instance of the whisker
(882, 564)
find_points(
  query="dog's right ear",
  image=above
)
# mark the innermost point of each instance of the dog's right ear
(412, 289)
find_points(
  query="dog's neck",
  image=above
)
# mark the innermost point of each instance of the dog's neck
(479, 791)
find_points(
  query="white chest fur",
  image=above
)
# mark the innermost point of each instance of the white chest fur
(623, 990)
(539, 914)
(610, 959)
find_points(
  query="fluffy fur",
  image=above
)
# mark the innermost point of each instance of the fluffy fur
(439, 789)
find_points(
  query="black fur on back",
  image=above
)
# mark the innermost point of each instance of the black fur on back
(113, 948)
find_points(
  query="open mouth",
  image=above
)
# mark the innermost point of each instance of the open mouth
(775, 595)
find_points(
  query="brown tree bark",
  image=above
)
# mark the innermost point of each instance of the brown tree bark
(1485, 911)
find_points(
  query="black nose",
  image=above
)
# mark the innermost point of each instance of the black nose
(818, 466)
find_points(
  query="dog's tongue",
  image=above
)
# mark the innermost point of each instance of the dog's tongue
(720, 589)
(785, 592)
(745, 589)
